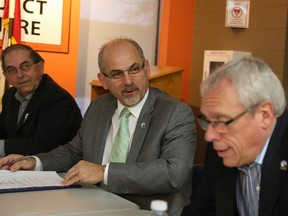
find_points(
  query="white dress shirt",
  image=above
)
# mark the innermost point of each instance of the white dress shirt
(135, 111)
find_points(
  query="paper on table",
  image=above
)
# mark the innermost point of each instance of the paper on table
(29, 179)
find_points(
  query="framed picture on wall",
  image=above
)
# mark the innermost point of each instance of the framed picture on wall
(44, 24)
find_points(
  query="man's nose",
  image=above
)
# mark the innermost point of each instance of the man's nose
(211, 134)
(127, 78)
(19, 72)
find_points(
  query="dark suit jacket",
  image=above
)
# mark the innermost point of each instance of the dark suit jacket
(216, 194)
(161, 155)
(51, 118)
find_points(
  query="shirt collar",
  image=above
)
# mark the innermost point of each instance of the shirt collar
(21, 99)
(262, 153)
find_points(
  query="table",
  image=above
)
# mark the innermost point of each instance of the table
(166, 78)
(120, 213)
(84, 201)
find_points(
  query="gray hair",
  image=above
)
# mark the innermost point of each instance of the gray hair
(254, 82)
(115, 41)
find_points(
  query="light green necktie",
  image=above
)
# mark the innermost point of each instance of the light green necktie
(121, 142)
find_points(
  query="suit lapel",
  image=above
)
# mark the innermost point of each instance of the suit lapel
(139, 135)
(142, 126)
(34, 101)
(226, 182)
(272, 176)
(104, 116)
(24, 118)
(13, 115)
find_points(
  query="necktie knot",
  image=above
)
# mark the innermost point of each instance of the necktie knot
(249, 168)
(125, 113)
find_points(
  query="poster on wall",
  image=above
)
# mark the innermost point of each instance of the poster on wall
(44, 24)
(237, 13)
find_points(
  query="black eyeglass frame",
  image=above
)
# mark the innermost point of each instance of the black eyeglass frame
(129, 70)
(204, 123)
(21, 67)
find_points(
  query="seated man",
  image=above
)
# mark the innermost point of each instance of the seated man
(245, 120)
(37, 114)
(156, 143)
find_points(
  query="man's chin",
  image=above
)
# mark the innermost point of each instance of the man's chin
(228, 163)
(132, 101)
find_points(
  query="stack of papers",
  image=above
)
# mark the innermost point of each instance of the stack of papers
(29, 181)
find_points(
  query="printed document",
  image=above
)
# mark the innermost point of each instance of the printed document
(29, 179)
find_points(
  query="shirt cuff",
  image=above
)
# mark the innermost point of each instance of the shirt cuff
(105, 179)
(38, 166)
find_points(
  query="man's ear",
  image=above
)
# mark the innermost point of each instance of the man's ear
(147, 68)
(102, 80)
(266, 111)
(40, 66)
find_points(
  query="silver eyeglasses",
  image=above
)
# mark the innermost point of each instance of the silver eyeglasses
(219, 126)
(24, 67)
(133, 71)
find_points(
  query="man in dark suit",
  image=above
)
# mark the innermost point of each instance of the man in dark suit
(162, 136)
(37, 114)
(247, 126)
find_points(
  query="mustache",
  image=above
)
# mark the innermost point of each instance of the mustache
(131, 88)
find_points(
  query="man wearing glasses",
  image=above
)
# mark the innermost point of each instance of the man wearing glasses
(154, 157)
(246, 124)
(37, 114)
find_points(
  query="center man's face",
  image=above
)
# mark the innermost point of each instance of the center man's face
(129, 89)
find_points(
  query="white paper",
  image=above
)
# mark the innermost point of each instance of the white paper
(27, 179)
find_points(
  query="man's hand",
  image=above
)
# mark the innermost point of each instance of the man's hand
(84, 172)
(27, 163)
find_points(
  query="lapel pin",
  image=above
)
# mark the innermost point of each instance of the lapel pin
(283, 165)
(143, 125)
(26, 117)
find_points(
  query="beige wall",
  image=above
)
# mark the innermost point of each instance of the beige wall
(266, 37)
(102, 20)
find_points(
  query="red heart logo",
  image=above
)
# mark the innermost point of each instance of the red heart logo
(237, 12)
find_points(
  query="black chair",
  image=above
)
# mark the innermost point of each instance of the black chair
(197, 175)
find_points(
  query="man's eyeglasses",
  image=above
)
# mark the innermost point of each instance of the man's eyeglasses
(24, 67)
(133, 71)
(219, 126)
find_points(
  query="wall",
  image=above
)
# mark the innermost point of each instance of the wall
(203, 22)
(176, 37)
(62, 67)
(102, 20)
(266, 37)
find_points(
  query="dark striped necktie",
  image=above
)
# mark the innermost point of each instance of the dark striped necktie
(248, 189)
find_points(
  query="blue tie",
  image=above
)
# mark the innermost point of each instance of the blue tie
(120, 147)
(248, 189)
